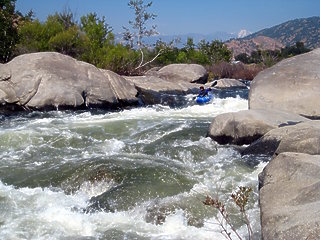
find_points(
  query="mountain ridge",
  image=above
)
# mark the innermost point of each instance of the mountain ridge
(306, 30)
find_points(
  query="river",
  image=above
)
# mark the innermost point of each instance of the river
(134, 174)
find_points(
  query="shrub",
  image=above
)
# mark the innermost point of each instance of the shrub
(241, 199)
(121, 59)
(236, 71)
(69, 42)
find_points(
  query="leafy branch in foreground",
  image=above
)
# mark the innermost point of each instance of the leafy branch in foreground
(241, 199)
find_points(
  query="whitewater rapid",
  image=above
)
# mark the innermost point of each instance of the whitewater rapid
(135, 174)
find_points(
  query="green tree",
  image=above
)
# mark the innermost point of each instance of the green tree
(121, 59)
(190, 45)
(182, 57)
(244, 58)
(192, 54)
(58, 33)
(31, 38)
(9, 20)
(66, 18)
(290, 51)
(169, 51)
(36, 36)
(270, 57)
(70, 42)
(99, 36)
(216, 51)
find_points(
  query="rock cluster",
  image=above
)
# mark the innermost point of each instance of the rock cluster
(281, 122)
(48, 80)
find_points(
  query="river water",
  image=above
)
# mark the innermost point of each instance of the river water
(134, 174)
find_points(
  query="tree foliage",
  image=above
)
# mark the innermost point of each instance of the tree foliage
(98, 37)
(216, 51)
(58, 33)
(205, 53)
(9, 20)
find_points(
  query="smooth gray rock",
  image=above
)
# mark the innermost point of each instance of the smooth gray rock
(244, 127)
(302, 137)
(124, 90)
(229, 83)
(293, 85)
(268, 143)
(50, 80)
(290, 197)
(154, 90)
(152, 71)
(192, 73)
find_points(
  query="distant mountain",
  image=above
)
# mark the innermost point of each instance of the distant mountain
(247, 46)
(243, 33)
(306, 30)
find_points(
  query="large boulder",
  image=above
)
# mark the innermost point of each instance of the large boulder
(154, 90)
(267, 144)
(302, 137)
(50, 80)
(290, 197)
(244, 127)
(229, 83)
(192, 73)
(293, 85)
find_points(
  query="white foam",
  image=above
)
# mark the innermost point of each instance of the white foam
(51, 214)
(36, 213)
(217, 106)
(112, 146)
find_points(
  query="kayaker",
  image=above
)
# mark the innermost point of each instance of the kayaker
(204, 92)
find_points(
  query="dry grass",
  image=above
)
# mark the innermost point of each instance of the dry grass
(235, 71)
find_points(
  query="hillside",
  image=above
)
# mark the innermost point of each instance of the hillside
(249, 45)
(306, 30)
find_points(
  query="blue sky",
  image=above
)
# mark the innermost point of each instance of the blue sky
(186, 16)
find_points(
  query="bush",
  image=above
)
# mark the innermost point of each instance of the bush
(235, 71)
(69, 42)
(121, 59)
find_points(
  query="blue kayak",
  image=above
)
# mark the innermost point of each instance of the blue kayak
(203, 99)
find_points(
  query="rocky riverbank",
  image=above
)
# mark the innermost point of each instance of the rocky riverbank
(48, 81)
(281, 122)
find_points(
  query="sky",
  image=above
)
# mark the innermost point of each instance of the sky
(185, 16)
